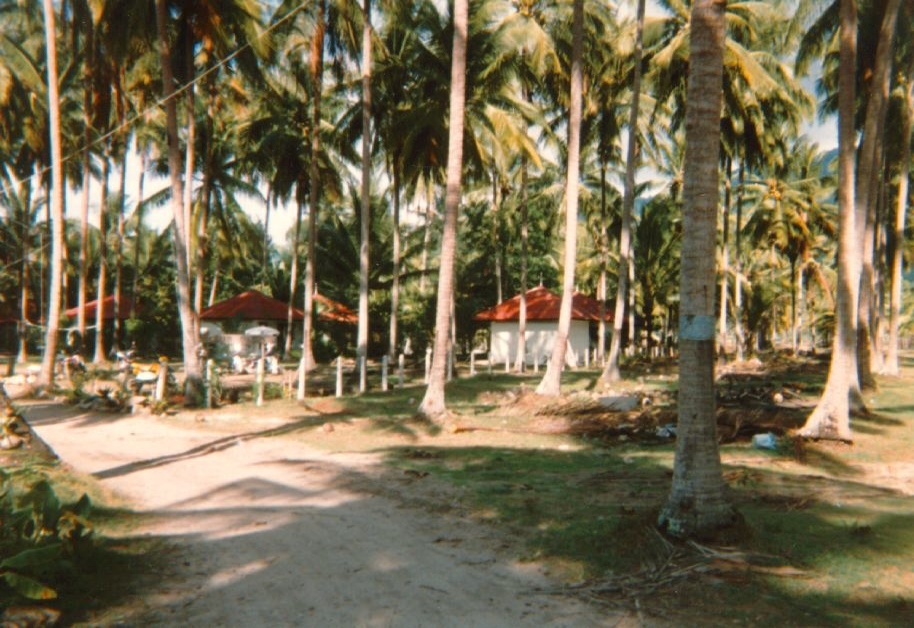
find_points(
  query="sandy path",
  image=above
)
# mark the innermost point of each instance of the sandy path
(271, 533)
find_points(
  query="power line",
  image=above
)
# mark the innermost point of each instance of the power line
(162, 101)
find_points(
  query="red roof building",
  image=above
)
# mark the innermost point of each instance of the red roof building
(250, 306)
(542, 322)
(126, 306)
(256, 306)
(543, 305)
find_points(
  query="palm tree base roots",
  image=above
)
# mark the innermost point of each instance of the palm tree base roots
(711, 520)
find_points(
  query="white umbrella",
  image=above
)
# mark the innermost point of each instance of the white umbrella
(261, 331)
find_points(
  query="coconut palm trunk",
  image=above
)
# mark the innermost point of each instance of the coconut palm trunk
(193, 383)
(831, 417)
(102, 285)
(365, 227)
(868, 173)
(395, 282)
(611, 370)
(521, 357)
(551, 383)
(46, 375)
(433, 403)
(698, 502)
(293, 275)
(901, 208)
(317, 73)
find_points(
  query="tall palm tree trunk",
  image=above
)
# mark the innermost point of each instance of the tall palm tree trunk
(25, 237)
(119, 254)
(831, 417)
(365, 231)
(551, 383)
(83, 270)
(901, 208)
(433, 403)
(138, 236)
(46, 376)
(317, 74)
(868, 167)
(293, 275)
(698, 501)
(395, 283)
(102, 285)
(611, 370)
(193, 383)
(521, 357)
(725, 262)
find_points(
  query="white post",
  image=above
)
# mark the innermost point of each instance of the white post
(339, 376)
(260, 373)
(507, 364)
(384, 373)
(401, 362)
(302, 379)
(428, 364)
(472, 363)
(363, 373)
(162, 382)
(536, 361)
(209, 384)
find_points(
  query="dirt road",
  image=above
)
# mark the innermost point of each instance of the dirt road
(270, 533)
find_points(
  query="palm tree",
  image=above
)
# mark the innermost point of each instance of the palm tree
(552, 379)
(433, 403)
(698, 503)
(193, 382)
(831, 418)
(869, 168)
(362, 350)
(611, 370)
(901, 206)
(46, 376)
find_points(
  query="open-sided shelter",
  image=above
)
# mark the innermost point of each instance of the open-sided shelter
(542, 325)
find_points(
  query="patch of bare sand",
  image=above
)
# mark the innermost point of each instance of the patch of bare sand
(264, 531)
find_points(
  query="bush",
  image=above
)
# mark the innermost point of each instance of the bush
(43, 537)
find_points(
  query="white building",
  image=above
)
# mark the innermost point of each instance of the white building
(542, 324)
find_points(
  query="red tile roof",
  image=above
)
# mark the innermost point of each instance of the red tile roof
(254, 305)
(334, 311)
(250, 305)
(543, 305)
(107, 309)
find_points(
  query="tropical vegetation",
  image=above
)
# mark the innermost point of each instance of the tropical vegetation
(476, 147)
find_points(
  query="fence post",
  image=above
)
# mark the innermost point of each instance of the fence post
(472, 363)
(302, 379)
(536, 361)
(507, 364)
(339, 376)
(428, 364)
(384, 373)
(208, 385)
(162, 382)
(400, 365)
(260, 379)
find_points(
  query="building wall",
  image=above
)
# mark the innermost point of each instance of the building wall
(540, 338)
